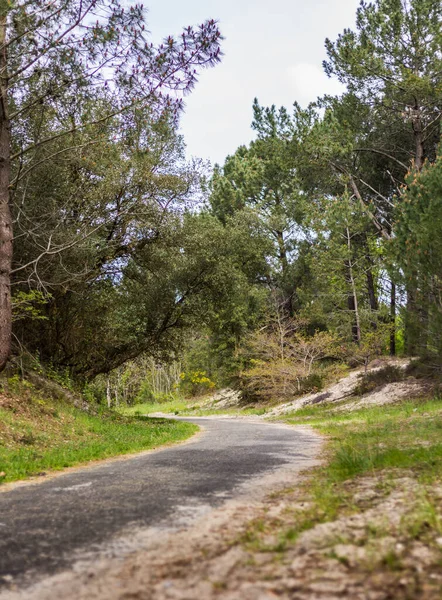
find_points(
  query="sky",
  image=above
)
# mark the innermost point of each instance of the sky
(273, 50)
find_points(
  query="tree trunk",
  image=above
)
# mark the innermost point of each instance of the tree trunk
(108, 393)
(411, 321)
(374, 304)
(353, 308)
(418, 138)
(282, 252)
(393, 319)
(352, 298)
(5, 211)
(415, 318)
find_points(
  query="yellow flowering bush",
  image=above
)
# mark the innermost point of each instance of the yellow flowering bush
(195, 383)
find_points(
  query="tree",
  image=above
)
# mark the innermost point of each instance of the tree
(345, 251)
(103, 206)
(262, 179)
(55, 57)
(393, 64)
(281, 357)
(418, 251)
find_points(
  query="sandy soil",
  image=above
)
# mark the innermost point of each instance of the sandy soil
(359, 556)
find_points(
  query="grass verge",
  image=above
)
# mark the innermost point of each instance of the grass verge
(403, 436)
(188, 408)
(383, 443)
(370, 518)
(38, 434)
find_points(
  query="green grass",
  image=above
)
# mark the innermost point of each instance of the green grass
(246, 411)
(395, 439)
(37, 435)
(391, 440)
(403, 436)
(187, 408)
(174, 406)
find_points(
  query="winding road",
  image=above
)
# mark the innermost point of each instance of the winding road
(86, 513)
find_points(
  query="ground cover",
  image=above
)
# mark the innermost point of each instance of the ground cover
(189, 407)
(365, 525)
(369, 521)
(39, 433)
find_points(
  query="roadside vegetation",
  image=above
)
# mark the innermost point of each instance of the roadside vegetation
(407, 435)
(369, 518)
(40, 433)
(191, 407)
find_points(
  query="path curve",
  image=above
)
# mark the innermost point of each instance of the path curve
(95, 511)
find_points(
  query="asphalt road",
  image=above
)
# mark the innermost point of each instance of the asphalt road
(45, 527)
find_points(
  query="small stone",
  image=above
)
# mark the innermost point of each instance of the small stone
(365, 496)
(439, 541)
(328, 587)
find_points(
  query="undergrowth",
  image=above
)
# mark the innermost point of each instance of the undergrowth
(188, 408)
(368, 382)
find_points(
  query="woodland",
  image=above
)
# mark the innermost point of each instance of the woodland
(137, 274)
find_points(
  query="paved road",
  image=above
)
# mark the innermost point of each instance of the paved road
(45, 527)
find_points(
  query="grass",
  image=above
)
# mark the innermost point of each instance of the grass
(38, 434)
(388, 441)
(403, 436)
(173, 406)
(187, 408)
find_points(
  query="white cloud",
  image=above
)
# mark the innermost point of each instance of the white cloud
(272, 51)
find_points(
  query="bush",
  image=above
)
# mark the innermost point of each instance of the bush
(313, 383)
(277, 381)
(195, 383)
(428, 367)
(374, 379)
(145, 393)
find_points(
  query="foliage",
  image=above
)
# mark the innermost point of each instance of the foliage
(373, 344)
(418, 248)
(282, 360)
(317, 242)
(261, 180)
(75, 75)
(29, 305)
(195, 383)
(136, 382)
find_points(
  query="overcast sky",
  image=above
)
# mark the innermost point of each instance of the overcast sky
(273, 50)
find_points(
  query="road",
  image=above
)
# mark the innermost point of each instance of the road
(47, 527)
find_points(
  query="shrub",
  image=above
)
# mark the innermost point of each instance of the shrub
(428, 367)
(374, 379)
(195, 383)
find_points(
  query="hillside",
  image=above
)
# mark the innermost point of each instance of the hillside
(51, 428)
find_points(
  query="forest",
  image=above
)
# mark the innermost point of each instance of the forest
(136, 273)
